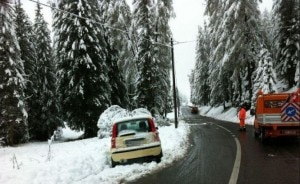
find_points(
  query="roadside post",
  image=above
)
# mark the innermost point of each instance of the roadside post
(174, 85)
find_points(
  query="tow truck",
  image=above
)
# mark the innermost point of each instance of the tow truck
(277, 115)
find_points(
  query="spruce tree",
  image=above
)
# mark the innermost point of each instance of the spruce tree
(83, 82)
(237, 41)
(147, 85)
(265, 76)
(164, 12)
(26, 39)
(46, 116)
(117, 18)
(116, 44)
(13, 114)
(287, 39)
(201, 83)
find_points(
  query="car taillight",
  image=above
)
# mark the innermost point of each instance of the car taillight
(156, 137)
(114, 135)
(153, 129)
(113, 142)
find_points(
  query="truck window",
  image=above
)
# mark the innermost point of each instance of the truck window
(274, 103)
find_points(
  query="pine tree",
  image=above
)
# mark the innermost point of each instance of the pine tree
(268, 30)
(237, 42)
(201, 83)
(287, 39)
(46, 112)
(193, 96)
(13, 114)
(26, 39)
(215, 10)
(83, 82)
(265, 79)
(147, 65)
(117, 14)
(164, 12)
(115, 47)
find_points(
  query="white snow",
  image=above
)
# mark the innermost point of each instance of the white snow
(88, 161)
(83, 161)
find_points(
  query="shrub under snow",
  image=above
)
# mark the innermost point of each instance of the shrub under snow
(114, 112)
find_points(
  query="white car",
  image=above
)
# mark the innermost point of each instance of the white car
(135, 138)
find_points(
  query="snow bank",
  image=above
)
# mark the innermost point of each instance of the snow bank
(227, 115)
(84, 161)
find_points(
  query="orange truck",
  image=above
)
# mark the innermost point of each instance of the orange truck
(277, 115)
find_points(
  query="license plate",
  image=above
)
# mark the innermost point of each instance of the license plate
(134, 142)
(290, 132)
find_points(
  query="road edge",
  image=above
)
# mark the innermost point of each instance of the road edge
(236, 167)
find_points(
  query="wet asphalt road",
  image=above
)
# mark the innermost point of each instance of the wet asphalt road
(212, 153)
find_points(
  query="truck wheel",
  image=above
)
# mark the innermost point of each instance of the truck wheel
(256, 133)
(262, 136)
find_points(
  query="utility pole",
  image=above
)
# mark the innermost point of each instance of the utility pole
(174, 85)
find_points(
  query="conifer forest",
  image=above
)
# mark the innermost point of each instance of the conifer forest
(100, 53)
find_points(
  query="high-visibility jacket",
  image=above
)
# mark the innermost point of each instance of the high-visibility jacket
(242, 113)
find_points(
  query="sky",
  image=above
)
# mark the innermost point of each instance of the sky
(88, 160)
(189, 16)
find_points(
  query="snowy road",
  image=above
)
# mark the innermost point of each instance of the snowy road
(212, 154)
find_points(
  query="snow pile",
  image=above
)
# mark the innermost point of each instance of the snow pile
(84, 161)
(113, 113)
(227, 115)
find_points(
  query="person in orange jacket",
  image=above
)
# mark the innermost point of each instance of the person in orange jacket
(242, 117)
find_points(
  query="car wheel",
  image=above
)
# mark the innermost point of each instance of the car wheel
(113, 163)
(158, 158)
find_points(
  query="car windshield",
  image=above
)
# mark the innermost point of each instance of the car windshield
(137, 125)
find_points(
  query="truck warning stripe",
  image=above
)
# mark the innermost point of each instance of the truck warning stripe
(285, 117)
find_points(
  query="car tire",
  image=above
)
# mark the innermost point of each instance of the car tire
(113, 163)
(158, 158)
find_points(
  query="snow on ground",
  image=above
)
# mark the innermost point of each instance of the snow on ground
(226, 115)
(88, 161)
(84, 161)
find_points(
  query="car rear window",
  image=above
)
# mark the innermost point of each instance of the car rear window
(138, 125)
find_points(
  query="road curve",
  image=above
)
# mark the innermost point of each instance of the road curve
(212, 157)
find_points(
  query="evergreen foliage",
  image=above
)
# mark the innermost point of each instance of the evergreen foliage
(164, 12)
(116, 50)
(107, 55)
(287, 39)
(244, 51)
(201, 74)
(45, 109)
(13, 114)
(147, 65)
(265, 76)
(83, 83)
(153, 59)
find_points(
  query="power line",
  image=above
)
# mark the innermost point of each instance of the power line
(126, 32)
(89, 19)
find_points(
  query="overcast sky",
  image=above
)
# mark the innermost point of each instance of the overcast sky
(189, 15)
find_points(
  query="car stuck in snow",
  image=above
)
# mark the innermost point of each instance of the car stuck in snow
(135, 138)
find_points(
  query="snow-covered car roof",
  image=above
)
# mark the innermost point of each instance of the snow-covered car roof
(132, 118)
